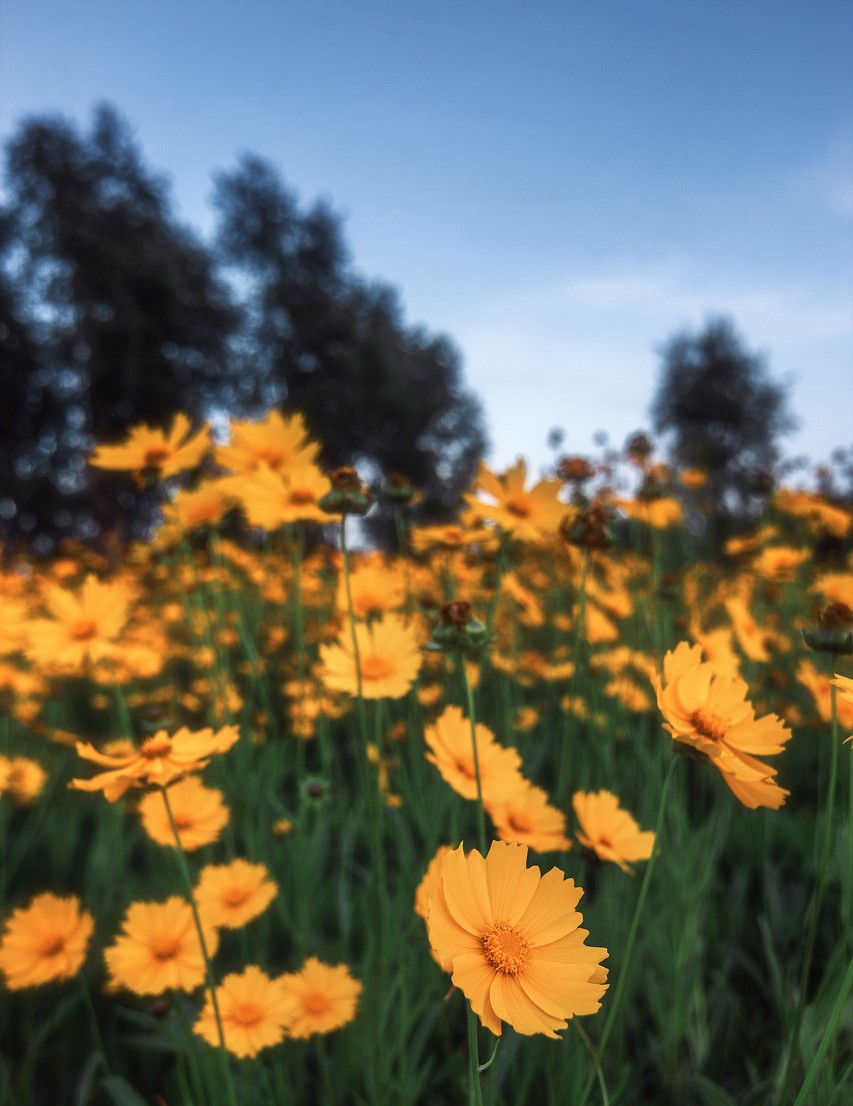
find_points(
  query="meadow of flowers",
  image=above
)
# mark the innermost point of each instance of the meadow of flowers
(551, 805)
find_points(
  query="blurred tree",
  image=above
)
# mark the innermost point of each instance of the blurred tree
(723, 413)
(116, 318)
(375, 392)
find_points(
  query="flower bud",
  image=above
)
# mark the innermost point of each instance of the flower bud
(833, 631)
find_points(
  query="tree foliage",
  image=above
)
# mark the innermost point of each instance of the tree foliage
(113, 313)
(722, 411)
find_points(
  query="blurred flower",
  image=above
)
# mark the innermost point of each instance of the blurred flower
(45, 941)
(527, 818)
(273, 499)
(527, 514)
(253, 1009)
(155, 452)
(230, 895)
(452, 752)
(779, 562)
(608, 830)
(278, 442)
(159, 949)
(511, 940)
(21, 779)
(711, 714)
(83, 625)
(323, 997)
(199, 813)
(158, 761)
(389, 655)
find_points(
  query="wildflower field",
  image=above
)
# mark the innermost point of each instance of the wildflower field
(553, 804)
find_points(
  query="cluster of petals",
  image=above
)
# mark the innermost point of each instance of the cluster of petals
(527, 818)
(608, 830)
(271, 499)
(278, 442)
(324, 997)
(512, 941)
(230, 895)
(83, 624)
(451, 750)
(199, 814)
(389, 659)
(157, 762)
(45, 941)
(527, 514)
(254, 1011)
(711, 713)
(147, 449)
(845, 687)
(159, 949)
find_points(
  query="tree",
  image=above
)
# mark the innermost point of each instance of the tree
(723, 412)
(375, 392)
(119, 317)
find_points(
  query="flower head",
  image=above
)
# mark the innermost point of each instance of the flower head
(230, 895)
(161, 453)
(323, 996)
(451, 751)
(511, 939)
(200, 814)
(158, 761)
(608, 830)
(45, 941)
(389, 656)
(528, 514)
(159, 949)
(527, 818)
(84, 625)
(254, 1010)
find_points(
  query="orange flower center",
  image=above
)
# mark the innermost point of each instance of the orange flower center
(518, 506)
(52, 944)
(505, 948)
(316, 1003)
(271, 457)
(165, 947)
(376, 668)
(84, 630)
(154, 747)
(183, 821)
(235, 896)
(301, 497)
(519, 823)
(155, 456)
(708, 725)
(246, 1014)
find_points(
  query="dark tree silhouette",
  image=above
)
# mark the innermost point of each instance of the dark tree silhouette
(118, 316)
(722, 411)
(375, 392)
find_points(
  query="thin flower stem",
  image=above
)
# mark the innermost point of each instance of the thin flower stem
(827, 1039)
(622, 980)
(817, 901)
(94, 1029)
(590, 1047)
(472, 715)
(208, 967)
(362, 717)
(474, 1057)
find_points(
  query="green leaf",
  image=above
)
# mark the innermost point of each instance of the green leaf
(121, 1092)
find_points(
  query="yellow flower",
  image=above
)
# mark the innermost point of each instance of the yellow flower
(147, 449)
(199, 813)
(84, 625)
(608, 830)
(452, 752)
(527, 818)
(21, 778)
(230, 895)
(531, 514)
(278, 442)
(158, 761)
(254, 1010)
(158, 949)
(272, 499)
(45, 941)
(511, 940)
(377, 588)
(324, 997)
(389, 655)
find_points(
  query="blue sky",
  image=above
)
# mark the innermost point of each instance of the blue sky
(560, 186)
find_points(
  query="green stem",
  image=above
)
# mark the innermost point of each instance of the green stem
(827, 1039)
(472, 715)
(94, 1029)
(622, 980)
(590, 1047)
(208, 967)
(817, 901)
(474, 1058)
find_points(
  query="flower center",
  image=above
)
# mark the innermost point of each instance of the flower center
(52, 944)
(301, 497)
(155, 456)
(245, 1014)
(165, 947)
(519, 823)
(273, 458)
(235, 896)
(518, 506)
(84, 630)
(154, 747)
(183, 821)
(505, 948)
(316, 1003)
(708, 725)
(375, 668)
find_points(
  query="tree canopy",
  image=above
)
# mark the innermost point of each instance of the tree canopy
(721, 410)
(114, 313)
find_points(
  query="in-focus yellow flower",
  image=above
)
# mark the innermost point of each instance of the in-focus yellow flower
(712, 714)
(608, 830)
(83, 625)
(45, 941)
(451, 750)
(158, 949)
(254, 1010)
(199, 813)
(527, 818)
(158, 761)
(230, 895)
(389, 654)
(511, 939)
(528, 514)
(324, 997)
(162, 453)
